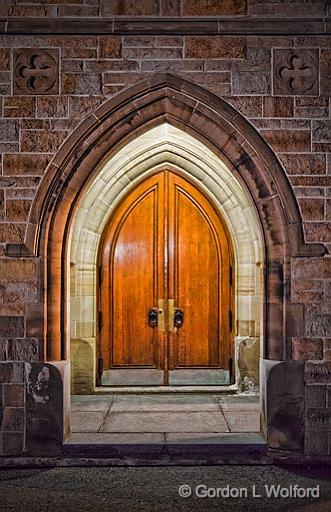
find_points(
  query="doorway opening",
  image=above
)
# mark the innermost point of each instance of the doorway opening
(165, 289)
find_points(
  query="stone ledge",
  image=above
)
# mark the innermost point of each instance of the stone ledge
(229, 25)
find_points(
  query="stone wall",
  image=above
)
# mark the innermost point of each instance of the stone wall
(279, 82)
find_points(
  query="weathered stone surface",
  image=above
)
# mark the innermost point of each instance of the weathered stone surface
(9, 130)
(13, 395)
(285, 406)
(11, 373)
(312, 209)
(12, 443)
(296, 71)
(23, 106)
(316, 443)
(288, 140)
(304, 349)
(321, 131)
(36, 71)
(248, 82)
(44, 408)
(170, 7)
(301, 164)
(325, 72)
(249, 106)
(52, 107)
(11, 326)
(82, 366)
(129, 7)
(77, 83)
(25, 350)
(17, 210)
(42, 141)
(215, 47)
(25, 164)
(212, 8)
(110, 47)
(311, 107)
(277, 106)
(13, 419)
(318, 372)
(248, 362)
(315, 396)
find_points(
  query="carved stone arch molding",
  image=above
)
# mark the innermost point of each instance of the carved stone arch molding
(171, 99)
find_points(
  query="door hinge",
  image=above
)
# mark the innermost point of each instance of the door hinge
(100, 320)
(230, 321)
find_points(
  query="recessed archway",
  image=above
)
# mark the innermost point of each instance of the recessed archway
(159, 146)
(219, 127)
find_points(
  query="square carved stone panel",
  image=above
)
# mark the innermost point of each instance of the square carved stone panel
(36, 71)
(296, 71)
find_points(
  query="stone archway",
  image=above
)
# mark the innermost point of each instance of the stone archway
(209, 119)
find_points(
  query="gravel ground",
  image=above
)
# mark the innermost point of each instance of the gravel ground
(147, 489)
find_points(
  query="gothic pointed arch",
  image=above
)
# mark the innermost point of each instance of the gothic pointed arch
(216, 124)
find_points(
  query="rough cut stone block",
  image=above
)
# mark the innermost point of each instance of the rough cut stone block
(249, 82)
(316, 443)
(277, 106)
(25, 350)
(315, 396)
(36, 71)
(11, 233)
(321, 130)
(11, 373)
(13, 419)
(8, 130)
(301, 164)
(304, 349)
(13, 395)
(311, 107)
(28, 164)
(17, 210)
(288, 140)
(110, 47)
(11, 326)
(22, 106)
(12, 443)
(318, 419)
(318, 231)
(249, 106)
(129, 8)
(213, 7)
(52, 107)
(318, 372)
(216, 47)
(307, 291)
(4, 59)
(296, 71)
(81, 106)
(312, 209)
(170, 7)
(81, 83)
(42, 141)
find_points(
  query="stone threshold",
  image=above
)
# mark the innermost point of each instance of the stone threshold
(268, 458)
(142, 390)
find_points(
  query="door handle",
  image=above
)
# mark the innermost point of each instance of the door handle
(152, 317)
(178, 317)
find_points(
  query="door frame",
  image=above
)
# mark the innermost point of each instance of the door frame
(230, 334)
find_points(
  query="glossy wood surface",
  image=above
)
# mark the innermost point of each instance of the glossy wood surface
(165, 246)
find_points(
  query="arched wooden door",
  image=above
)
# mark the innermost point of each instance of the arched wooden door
(165, 289)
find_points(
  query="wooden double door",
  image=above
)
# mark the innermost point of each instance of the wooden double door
(165, 294)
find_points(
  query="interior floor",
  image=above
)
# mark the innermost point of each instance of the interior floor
(163, 418)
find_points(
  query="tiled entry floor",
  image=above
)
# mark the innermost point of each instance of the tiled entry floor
(162, 418)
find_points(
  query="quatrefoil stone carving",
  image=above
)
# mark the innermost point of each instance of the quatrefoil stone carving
(296, 71)
(36, 71)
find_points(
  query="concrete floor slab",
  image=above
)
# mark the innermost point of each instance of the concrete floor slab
(165, 422)
(86, 421)
(242, 421)
(114, 438)
(127, 406)
(91, 407)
